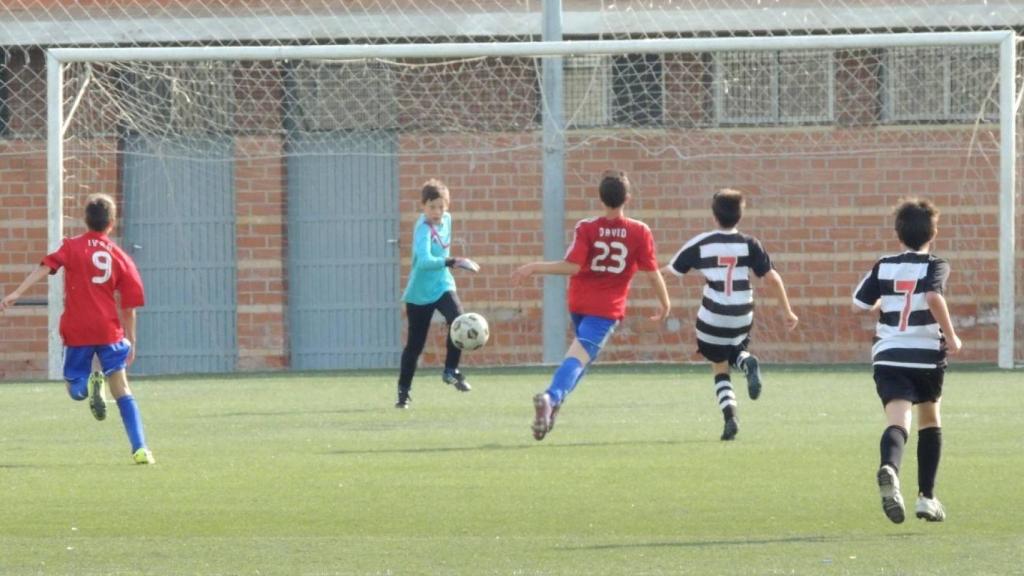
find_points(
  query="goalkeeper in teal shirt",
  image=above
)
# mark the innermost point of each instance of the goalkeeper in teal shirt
(432, 287)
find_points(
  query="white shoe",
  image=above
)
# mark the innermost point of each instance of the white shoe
(542, 415)
(143, 456)
(97, 404)
(889, 489)
(930, 509)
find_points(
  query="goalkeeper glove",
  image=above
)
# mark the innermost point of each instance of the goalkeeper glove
(464, 263)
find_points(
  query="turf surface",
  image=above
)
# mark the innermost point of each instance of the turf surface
(317, 474)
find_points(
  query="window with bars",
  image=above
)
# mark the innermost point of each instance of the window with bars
(638, 88)
(345, 96)
(624, 90)
(587, 98)
(937, 84)
(179, 98)
(759, 88)
(22, 92)
(5, 93)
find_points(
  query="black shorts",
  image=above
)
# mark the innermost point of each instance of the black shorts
(721, 352)
(914, 384)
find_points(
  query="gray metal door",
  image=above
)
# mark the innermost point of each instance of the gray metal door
(343, 254)
(179, 218)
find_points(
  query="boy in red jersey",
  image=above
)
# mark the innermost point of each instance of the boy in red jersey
(605, 254)
(94, 269)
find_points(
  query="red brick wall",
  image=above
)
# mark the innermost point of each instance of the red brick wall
(821, 212)
(22, 240)
(260, 243)
(824, 220)
(261, 224)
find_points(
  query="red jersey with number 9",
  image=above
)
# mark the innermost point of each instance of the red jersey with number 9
(94, 269)
(609, 252)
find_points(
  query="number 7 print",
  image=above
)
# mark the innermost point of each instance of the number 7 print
(905, 287)
(730, 264)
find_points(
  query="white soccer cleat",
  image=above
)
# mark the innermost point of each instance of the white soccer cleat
(542, 415)
(889, 489)
(97, 404)
(143, 456)
(930, 509)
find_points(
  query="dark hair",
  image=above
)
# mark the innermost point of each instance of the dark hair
(100, 212)
(916, 221)
(614, 188)
(432, 190)
(727, 206)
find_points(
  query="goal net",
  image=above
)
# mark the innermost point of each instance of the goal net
(269, 201)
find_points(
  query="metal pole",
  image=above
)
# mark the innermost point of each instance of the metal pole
(1007, 187)
(54, 206)
(555, 317)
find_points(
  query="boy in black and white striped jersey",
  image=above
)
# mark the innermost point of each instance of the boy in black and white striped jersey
(726, 258)
(912, 337)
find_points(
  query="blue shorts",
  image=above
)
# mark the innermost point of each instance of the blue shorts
(78, 363)
(593, 332)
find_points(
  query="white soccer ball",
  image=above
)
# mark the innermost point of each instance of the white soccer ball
(470, 331)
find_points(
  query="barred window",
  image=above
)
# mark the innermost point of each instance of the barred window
(947, 83)
(638, 88)
(22, 92)
(356, 95)
(625, 90)
(752, 88)
(587, 99)
(189, 97)
(5, 93)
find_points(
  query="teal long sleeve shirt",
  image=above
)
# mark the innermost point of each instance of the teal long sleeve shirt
(429, 278)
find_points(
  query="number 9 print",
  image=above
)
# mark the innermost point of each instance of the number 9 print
(102, 260)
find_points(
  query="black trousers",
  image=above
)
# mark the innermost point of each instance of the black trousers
(419, 325)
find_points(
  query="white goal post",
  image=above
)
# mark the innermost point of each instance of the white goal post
(57, 58)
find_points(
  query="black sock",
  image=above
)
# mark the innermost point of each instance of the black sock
(726, 397)
(893, 440)
(929, 449)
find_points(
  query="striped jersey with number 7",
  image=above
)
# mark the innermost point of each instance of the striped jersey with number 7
(907, 334)
(726, 258)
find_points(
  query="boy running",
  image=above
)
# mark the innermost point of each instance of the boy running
(912, 337)
(726, 258)
(94, 269)
(604, 255)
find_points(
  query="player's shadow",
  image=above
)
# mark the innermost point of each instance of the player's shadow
(511, 447)
(807, 539)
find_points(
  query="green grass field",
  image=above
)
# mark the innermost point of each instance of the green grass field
(317, 474)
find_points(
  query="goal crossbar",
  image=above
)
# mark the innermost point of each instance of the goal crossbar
(539, 49)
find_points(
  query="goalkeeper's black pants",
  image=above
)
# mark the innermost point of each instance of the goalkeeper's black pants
(419, 325)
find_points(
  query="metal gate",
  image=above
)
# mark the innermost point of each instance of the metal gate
(179, 226)
(343, 253)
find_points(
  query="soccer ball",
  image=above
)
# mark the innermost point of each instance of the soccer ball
(470, 331)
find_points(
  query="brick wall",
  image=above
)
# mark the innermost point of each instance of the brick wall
(824, 219)
(822, 214)
(260, 221)
(22, 238)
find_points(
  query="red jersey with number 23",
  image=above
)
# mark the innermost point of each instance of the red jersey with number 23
(94, 268)
(609, 252)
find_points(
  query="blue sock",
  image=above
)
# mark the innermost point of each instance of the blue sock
(565, 380)
(132, 421)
